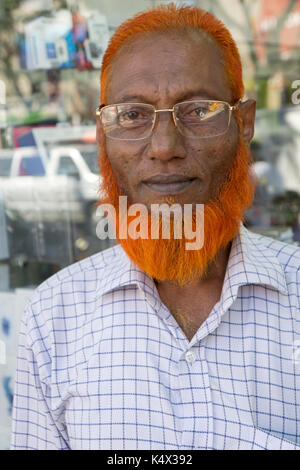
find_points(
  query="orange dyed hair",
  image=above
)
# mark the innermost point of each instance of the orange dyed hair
(164, 18)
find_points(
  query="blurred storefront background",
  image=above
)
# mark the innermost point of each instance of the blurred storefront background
(50, 57)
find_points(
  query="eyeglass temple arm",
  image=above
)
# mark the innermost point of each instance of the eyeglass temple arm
(98, 110)
(236, 105)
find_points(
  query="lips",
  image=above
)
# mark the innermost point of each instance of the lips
(168, 184)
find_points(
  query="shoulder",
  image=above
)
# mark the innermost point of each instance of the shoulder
(280, 260)
(68, 296)
(94, 267)
(59, 320)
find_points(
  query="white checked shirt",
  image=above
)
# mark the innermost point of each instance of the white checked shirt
(102, 364)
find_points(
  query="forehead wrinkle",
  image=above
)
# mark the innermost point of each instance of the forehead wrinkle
(165, 90)
(144, 84)
(160, 85)
(136, 52)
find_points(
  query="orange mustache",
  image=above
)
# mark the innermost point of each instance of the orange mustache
(168, 259)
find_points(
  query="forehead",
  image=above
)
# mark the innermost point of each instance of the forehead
(168, 66)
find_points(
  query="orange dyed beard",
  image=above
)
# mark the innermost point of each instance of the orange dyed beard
(168, 259)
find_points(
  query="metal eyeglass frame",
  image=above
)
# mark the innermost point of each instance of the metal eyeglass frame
(100, 108)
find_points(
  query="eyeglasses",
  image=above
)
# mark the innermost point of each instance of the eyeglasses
(195, 119)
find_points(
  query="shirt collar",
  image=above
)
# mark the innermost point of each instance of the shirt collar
(126, 273)
(249, 262)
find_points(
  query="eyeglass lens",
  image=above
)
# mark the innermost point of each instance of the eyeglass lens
(194, 119)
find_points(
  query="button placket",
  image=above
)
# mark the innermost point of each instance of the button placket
(197, 424)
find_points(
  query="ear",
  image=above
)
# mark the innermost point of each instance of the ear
(247, 113)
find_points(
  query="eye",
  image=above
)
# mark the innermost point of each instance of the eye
(201, 112)
(134, 116)
(194, 113)
(131, 115)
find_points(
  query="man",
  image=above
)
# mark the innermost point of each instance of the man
(148, 345)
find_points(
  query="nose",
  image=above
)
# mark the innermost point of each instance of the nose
(165, 142)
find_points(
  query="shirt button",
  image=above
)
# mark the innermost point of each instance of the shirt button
(190, 356)
(214, 384)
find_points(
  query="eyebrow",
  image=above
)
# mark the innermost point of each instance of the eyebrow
(205, 94)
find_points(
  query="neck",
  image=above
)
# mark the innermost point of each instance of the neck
(192, 303)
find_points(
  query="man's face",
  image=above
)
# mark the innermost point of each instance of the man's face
(162, 70)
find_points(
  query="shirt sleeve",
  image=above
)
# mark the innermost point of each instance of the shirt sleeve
(33, 426)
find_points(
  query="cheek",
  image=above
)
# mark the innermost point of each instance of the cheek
(123, 162)
(213, 157)
(212, 154)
